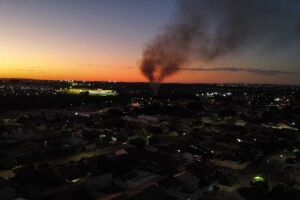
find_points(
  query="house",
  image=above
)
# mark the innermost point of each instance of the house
(188, 180)
(207, 174)
(230, 164)
(135, 178)
(7, 193)
(183, 186)
(71, 173)
(153, 192)
(114, 196)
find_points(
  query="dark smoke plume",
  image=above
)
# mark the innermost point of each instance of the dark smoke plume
(240, 69)
(208, 29)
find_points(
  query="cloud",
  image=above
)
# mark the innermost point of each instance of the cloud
(240, 69)
(89, 65)
(30, 69)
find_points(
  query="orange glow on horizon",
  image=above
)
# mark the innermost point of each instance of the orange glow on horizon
(125, 74)
(67, 64)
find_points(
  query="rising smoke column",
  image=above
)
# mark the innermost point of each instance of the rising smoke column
(208, 29)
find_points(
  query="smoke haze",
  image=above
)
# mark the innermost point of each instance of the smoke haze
(207, 29)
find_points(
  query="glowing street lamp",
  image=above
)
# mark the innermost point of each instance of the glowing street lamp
(258, 179)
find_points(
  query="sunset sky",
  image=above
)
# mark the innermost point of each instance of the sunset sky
(104, 40)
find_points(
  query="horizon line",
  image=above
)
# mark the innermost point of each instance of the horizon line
(147, 82)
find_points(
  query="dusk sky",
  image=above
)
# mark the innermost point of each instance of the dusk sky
(105, 39)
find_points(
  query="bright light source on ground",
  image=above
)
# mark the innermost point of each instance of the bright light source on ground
(258, 179)
(91, 92)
